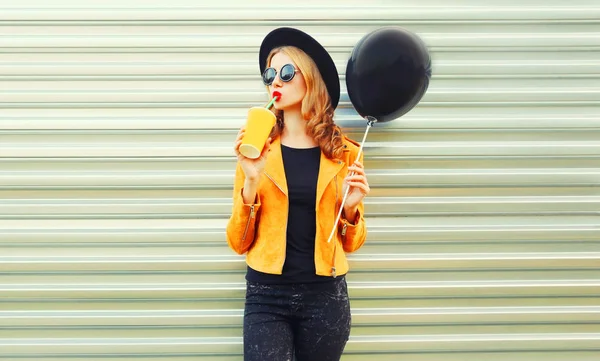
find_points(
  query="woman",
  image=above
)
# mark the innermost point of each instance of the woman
(285, 204)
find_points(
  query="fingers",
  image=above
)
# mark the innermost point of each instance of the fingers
(357, 167)
(236, 147)
(363, 187)
(240, 135)
(357, 178)
(238, 141)
(241, 132)
(356, 172)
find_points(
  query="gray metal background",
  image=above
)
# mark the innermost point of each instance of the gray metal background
(116, 125)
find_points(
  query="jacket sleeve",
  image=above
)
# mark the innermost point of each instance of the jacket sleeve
(242, 222)
(353, 232)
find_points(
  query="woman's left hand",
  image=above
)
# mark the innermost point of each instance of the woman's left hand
(359, 188)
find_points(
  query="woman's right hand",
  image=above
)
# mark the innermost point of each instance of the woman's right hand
(252, 167)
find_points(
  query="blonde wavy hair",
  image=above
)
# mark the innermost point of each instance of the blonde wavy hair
(316, 105)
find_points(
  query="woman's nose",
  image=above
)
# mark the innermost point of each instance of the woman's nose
(277, 81)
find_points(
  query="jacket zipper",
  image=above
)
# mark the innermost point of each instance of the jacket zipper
(248, 223)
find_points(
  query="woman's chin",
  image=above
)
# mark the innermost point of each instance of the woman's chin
(286, 106)
(280, 106)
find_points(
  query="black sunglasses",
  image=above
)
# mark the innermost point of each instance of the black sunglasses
(286, 74)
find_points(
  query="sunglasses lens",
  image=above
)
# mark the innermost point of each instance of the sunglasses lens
(269, 76)
(287, 72)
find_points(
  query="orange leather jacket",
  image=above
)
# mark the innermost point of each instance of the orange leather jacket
(259, 229)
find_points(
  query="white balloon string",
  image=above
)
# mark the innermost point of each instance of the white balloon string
(369, 125)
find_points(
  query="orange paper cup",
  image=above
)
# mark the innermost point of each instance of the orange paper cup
(259, 124)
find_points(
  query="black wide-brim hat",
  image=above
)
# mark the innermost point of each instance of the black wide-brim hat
(294, 37)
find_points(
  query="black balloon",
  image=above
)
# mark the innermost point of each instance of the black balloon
(388, 73)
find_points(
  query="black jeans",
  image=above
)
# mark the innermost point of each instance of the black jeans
(311, 320)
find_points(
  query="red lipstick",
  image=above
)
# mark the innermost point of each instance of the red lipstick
(277, 94)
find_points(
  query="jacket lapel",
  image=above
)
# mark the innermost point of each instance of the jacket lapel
(274, 168)
(327, 170)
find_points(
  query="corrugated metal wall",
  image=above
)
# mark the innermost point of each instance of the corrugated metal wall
(116, 125)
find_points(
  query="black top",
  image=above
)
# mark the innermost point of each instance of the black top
(301, 171)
